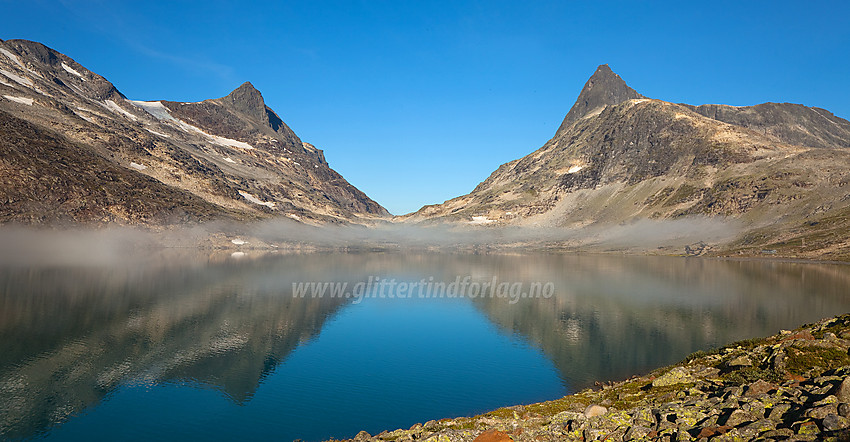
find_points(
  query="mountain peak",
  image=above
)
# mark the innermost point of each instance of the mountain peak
(247, 88)
(603, 88)
(247, 100)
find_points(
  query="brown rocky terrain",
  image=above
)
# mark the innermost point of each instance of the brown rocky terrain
(777, 171)
(794, 385)
(228, 158)
(786, 122)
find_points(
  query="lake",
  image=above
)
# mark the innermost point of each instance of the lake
(182, 344)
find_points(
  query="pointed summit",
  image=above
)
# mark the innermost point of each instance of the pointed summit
(602, 89)
(247, 100)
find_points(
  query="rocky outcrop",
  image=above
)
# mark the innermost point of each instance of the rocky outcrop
(791, 386)
(786, 122)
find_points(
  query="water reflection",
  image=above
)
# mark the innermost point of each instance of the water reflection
(69, 336)
(617, 316)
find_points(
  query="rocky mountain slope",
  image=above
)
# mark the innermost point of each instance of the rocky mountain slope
(75, 149)
(778, 170)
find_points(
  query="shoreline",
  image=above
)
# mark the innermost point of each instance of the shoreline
(794, 385)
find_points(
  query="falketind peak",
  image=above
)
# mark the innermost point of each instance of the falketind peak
(602, 89)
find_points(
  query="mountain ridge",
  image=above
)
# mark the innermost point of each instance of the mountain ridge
(234, 152)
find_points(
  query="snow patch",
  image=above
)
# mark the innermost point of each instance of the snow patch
(294, 216)
(238, 241)
(158, 133)
(478, 220)
(22, 100)
(256, 200)
(138, 166)
(575, 168)
(227, 141)
(84, 117)
(215, 139)
(16, 78)
(229, 160)
(71, 70)
(114, 107)
(13, 57)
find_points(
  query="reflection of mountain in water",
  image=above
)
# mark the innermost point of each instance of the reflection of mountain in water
(69, 337)
(615, 317)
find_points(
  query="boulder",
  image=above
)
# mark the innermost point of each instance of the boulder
(595, 410)
(834, 422)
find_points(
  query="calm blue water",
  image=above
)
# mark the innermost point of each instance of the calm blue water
(220, 349)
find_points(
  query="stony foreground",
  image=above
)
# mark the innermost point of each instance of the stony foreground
(791, 386)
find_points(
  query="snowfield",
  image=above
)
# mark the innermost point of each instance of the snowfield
(155, 108)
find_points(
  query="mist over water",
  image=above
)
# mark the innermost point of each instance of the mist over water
(118, 337)
(120, 245)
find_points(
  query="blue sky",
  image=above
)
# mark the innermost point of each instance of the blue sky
(417, 102)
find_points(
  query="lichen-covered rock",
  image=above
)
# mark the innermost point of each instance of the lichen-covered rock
(759, 387)
(807, 428)
(362, 436)
(822, 411)
(678, 375)
(644, 417)
(778, 411)
(637, 432)
(493, 436)
(740, 361)
(737, 417)
(565, 417)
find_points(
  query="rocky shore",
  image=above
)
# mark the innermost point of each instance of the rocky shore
(791, 386)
